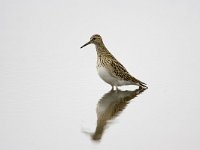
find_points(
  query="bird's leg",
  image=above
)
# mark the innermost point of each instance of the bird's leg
(117, 88)
(112, 88)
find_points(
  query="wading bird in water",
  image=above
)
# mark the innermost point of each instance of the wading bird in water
(109, 68)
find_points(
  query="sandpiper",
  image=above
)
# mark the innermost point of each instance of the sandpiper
(109, 69)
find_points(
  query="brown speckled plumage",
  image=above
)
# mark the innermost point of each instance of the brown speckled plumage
(115, 70)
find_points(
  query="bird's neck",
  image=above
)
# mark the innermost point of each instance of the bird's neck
(101, 49)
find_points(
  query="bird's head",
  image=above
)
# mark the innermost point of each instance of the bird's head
(95, 39)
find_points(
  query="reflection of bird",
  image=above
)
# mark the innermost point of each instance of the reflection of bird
(109, 106)
(109, 69)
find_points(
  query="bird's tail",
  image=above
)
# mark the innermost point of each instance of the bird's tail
(142, 84)
(139, 83)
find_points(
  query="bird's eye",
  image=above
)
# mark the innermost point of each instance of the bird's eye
(94, 38)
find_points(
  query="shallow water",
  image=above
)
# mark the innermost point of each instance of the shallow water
(52, 98)
(110, 106)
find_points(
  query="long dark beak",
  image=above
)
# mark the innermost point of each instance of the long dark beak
(86, 44)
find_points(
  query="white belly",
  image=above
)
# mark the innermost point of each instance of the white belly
(108, 78)
(105, 75)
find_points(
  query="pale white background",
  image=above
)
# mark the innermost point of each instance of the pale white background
(49, 88)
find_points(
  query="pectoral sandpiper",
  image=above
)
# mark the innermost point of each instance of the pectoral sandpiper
(109, 69)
